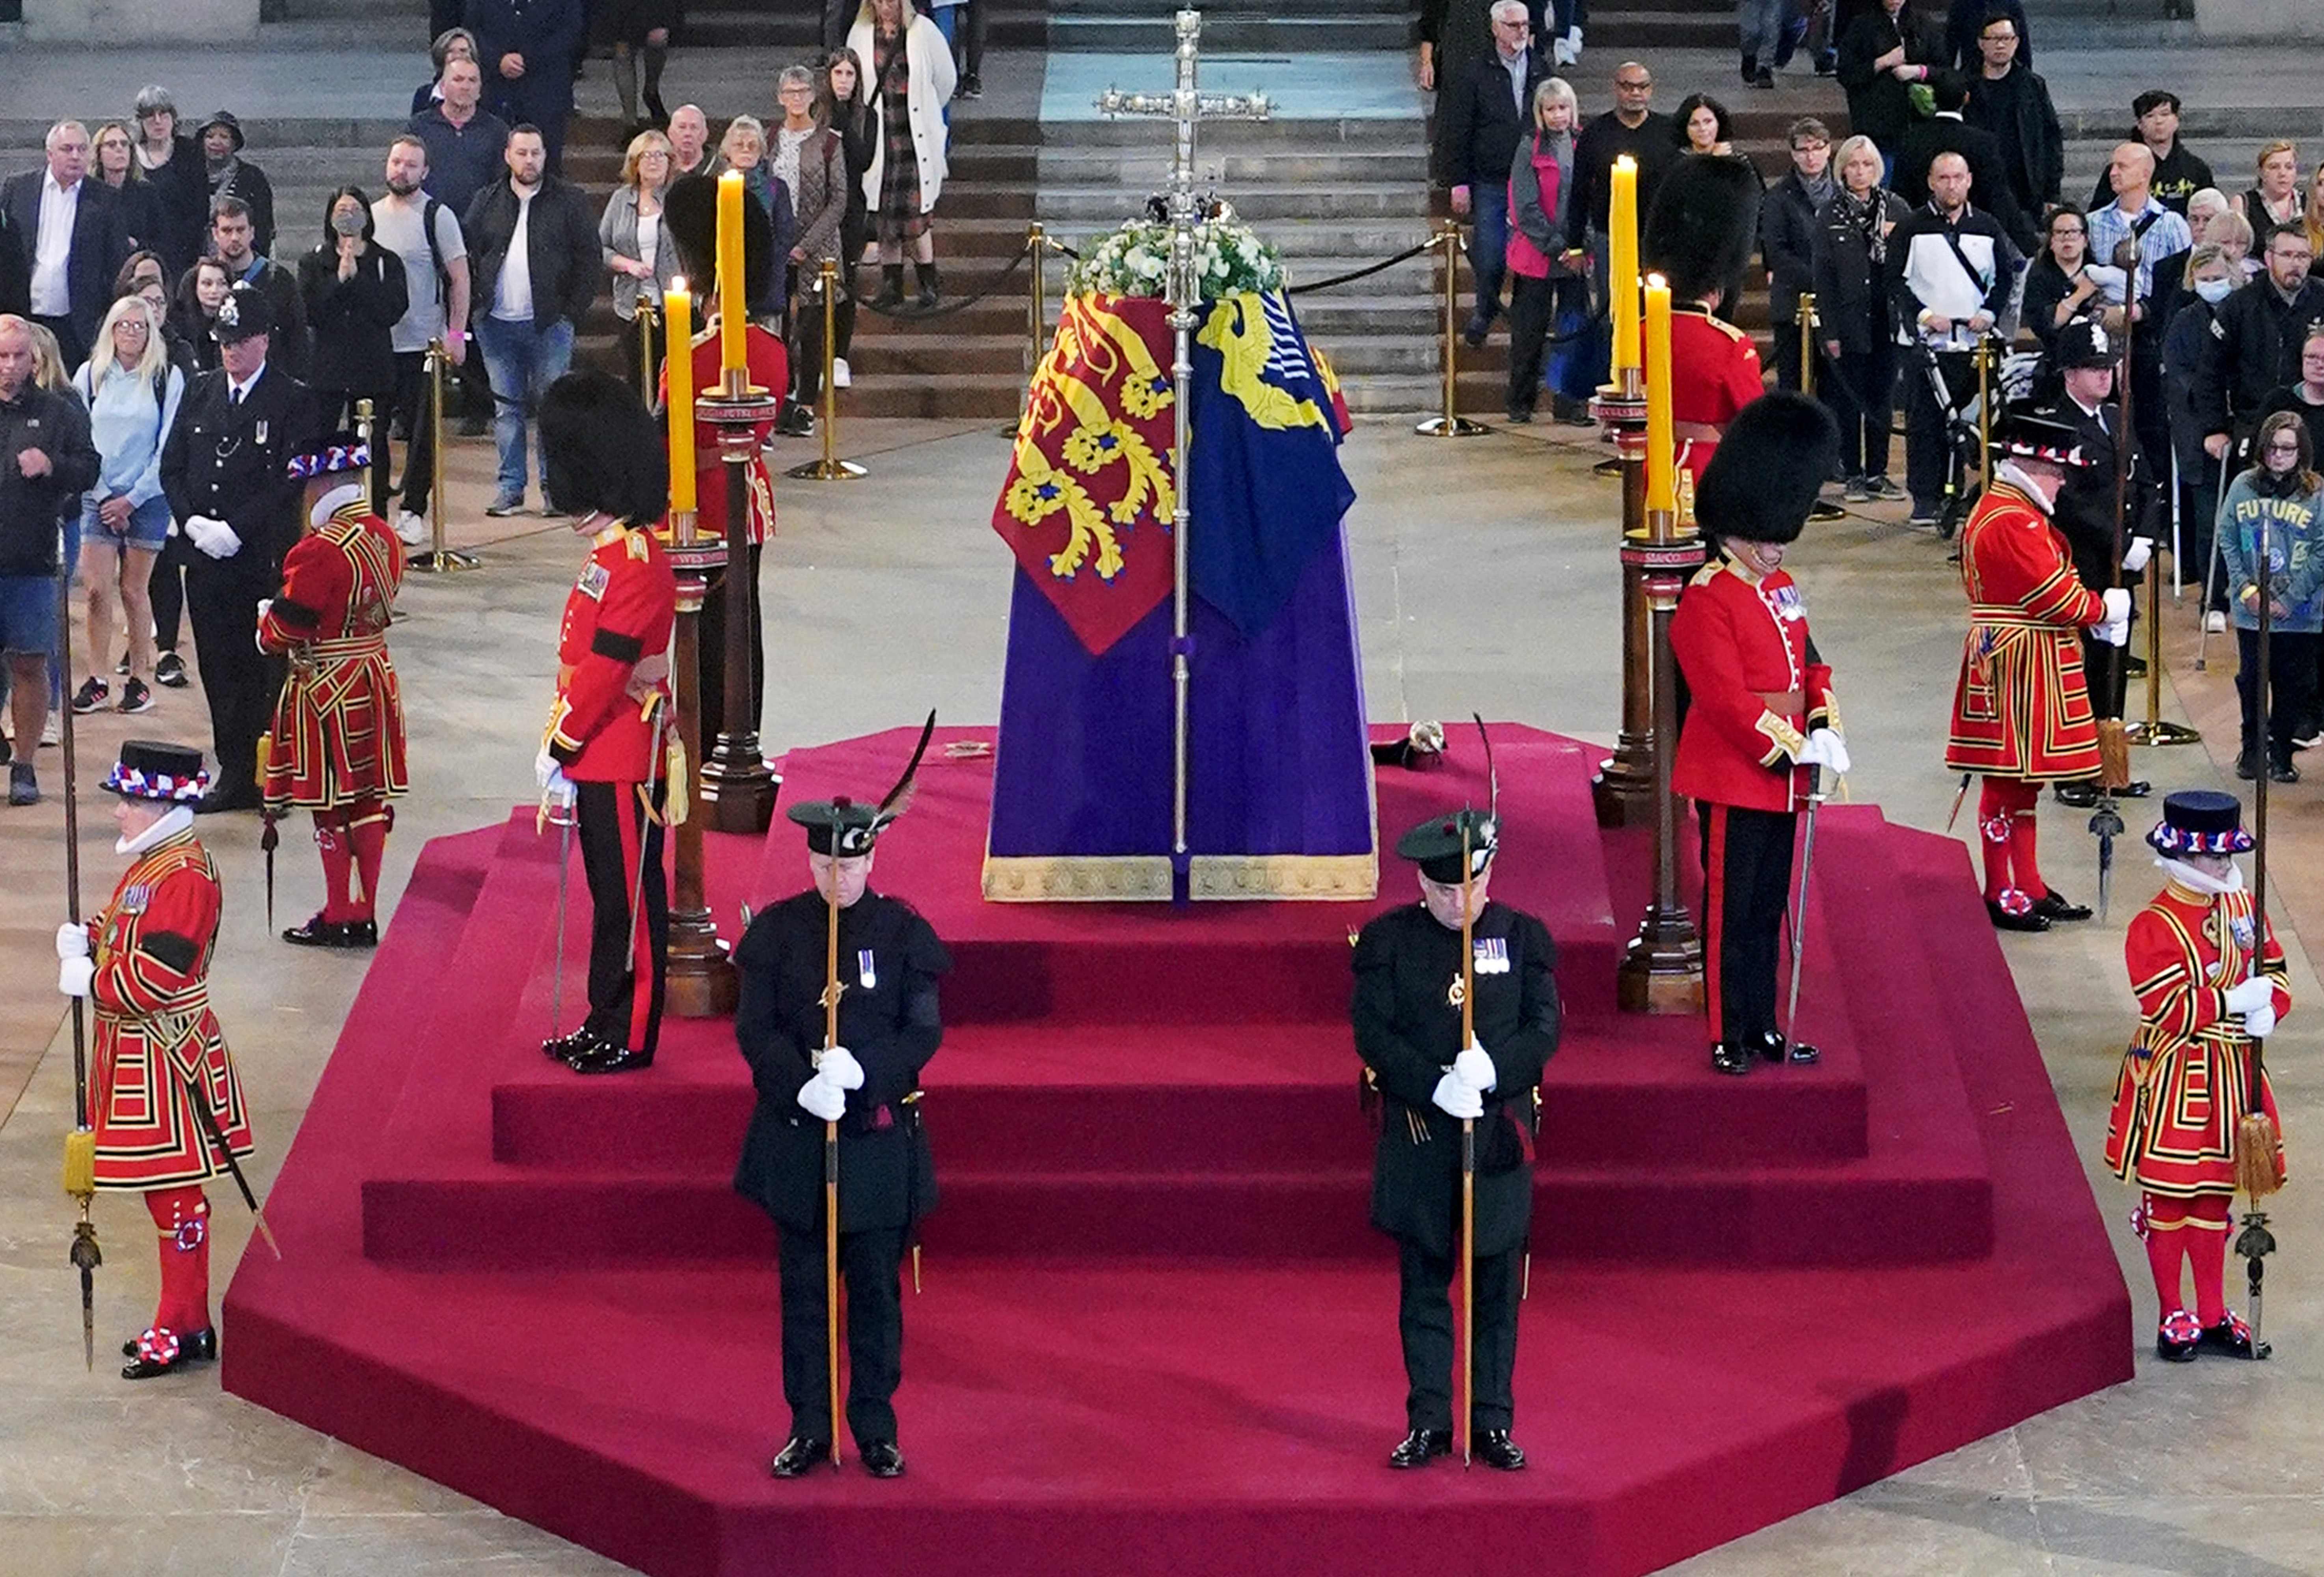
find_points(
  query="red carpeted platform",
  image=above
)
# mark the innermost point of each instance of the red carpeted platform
(1156, 1332)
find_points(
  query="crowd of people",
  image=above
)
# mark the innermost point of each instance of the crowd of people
(1937, 252)
(118, 256)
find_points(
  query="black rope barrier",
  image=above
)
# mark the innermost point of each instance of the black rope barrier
(921, 314)
(1352, 275)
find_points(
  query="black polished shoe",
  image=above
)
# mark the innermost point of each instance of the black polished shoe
(1415, 1449)
(1775, 1047)
(2231, 1338)
(2247, 766)
(2282, 771)
(881, 1460)
(1495, 1449)
(2136, 789)
(2179, 1339)
(318, 932)
(572, 1042)
(236, 796)
(2081, 796)
(201, 1347)
(1730, 1056)
(608, 1058)
(159, 1352)
(799, 1457)
(2053, 908)
(2033, 919)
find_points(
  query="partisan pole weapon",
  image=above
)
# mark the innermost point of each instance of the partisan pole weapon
(2257, 1142)
(831, 989)
(2114, 744)
(80, 1144)
(199, 1100)
(1468, 1397)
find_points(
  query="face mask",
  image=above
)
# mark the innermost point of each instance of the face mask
(347, 224)
(2213, 291)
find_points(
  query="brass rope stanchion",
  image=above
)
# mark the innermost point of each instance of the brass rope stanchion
(366, 419)
(439, 559)
(647, 312)
(1450, 424)
(2155, 730)
(831, 467)
(1037, 247)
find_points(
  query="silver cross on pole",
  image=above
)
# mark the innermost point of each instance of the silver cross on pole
(1187, 107)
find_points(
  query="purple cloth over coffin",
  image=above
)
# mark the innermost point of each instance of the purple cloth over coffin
(1277, 762)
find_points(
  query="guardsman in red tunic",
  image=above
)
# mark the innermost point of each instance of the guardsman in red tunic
(690, 220)
(603, 757)
(336, 747)
(1698, 237)
(2020, 713)
(2209, 984)
(163, 1097)
(1760, 713)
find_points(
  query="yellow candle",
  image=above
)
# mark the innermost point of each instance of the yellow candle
(734, 312)
(1622, 260)
(678, 364)
(1661, 483)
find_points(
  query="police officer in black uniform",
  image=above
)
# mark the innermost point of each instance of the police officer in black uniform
(889, 1028)
(2088, 358)
(1407, 1023)
(225, 470)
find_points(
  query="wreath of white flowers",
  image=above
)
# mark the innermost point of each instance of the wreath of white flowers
(1230, 259)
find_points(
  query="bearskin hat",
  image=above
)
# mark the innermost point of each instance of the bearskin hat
(690, 216)
(1770, 464)
(601, 451)
(1703, 224)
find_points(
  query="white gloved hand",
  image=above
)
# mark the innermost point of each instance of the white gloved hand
(1476, 1068)
(265, 603)
(213, 537)
(2260, 1023)
(1835, 748)
(2118, 604)
(72, 941)
(1815, 751)
(73, 975)
(839, 1066)
(2142, 549)
(1456, 1097)
(559, 790)
(2258, 992)
(544, 768)
(823, 1098)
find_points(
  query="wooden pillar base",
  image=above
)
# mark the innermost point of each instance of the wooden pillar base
(738, 792)
(1661, 971)
(702, 983)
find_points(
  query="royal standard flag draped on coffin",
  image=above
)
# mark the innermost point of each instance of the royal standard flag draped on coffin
(1087, 506)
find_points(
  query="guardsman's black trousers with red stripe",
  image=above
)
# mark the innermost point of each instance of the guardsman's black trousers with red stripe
(621, 852)
(1747, 884)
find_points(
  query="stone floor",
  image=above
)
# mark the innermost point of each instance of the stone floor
(1486, 578)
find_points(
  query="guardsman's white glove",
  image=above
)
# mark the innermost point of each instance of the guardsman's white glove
(2142, 549)
(1825, 749)
(839, 1066)
(212, 536)
(2260, 1023)
(73, 975)
(1476, 1068)
(823, 1098)
(72, 941)
(1456, 1097)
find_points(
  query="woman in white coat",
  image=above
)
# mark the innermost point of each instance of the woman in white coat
(909, 78)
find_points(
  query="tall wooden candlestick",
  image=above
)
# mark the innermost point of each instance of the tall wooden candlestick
(737, 789)
(702, 980)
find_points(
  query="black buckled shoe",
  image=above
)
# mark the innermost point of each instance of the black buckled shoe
(2052, 907)
(2231, 1338)
(610, 1058)
(1730, 1056)
(881, 1460)
(159, 1352)
(201, 1347)
(2136, 789)
(2033, 919)
(1775, 1047)
(1417, 1449)
(565, 1048)
(1495, 1449)
(799, 1457)
(2081, 796)
(2179, 1338)
(318, 932)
